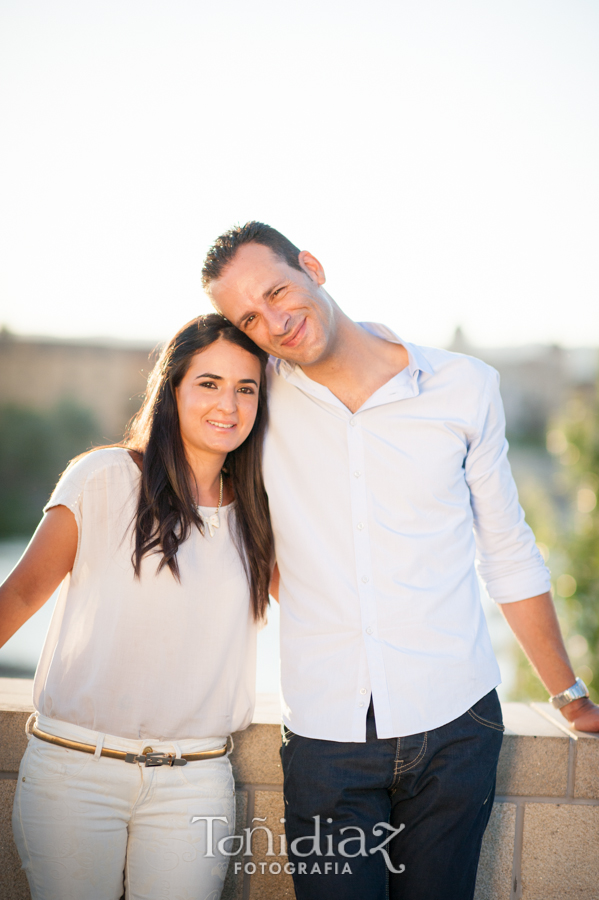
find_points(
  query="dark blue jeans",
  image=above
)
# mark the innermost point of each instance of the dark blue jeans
(414, 810)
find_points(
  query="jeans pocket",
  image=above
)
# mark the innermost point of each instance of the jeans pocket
(487, 712)
(210, 778)
(45, 763)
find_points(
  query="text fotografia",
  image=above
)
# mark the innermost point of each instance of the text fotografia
(352, 845)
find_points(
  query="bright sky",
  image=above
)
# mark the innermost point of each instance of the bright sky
(439, 158)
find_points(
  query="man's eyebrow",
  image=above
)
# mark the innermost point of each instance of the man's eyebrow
(268, 291)
(265, 296)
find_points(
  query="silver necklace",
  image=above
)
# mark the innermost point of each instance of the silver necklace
(214, 520)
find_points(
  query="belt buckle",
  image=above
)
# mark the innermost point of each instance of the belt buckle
(155, 759)
(159, 759)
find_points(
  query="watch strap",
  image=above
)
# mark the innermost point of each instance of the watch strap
(576, 692)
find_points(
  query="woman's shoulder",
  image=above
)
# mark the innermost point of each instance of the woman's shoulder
(105, 463)
(99, 471)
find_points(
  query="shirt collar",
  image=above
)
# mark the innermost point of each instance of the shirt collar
(417, 361)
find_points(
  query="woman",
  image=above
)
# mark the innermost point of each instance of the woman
(165, 548)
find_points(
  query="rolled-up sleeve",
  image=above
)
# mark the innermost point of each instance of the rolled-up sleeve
(508, 560)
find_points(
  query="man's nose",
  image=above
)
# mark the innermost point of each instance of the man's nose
(278, 321)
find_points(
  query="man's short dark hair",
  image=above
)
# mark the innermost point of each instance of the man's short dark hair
(226, 246)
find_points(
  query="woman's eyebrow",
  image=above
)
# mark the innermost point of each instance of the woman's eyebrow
(220, 378)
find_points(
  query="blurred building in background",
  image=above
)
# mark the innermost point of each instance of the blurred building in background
(106, 377)
(536, 381)
(58, 398)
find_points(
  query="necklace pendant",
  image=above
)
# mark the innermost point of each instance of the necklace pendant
(213, 522)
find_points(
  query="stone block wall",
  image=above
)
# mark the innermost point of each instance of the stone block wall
(542, 842)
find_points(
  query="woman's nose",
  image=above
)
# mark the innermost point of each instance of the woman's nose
(227, 400)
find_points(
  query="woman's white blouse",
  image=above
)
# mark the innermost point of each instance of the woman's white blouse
(148, 657)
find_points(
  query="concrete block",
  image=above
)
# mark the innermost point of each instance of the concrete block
(233, 888)
(586, 783)
(534, 755)
(16, 693)
(270, 881)
(494, 880)
(13, 881)
(12, 738)
(560, 852)
(256, 759)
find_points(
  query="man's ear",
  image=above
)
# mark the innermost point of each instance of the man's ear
(312, 267)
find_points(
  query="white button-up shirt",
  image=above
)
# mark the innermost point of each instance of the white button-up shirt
(379, 517)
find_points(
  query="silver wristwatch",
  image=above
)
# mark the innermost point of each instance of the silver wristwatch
(576, 692)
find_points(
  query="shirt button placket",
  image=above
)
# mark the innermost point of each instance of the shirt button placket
(360, 515)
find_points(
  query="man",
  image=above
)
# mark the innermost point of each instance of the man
(386, 470)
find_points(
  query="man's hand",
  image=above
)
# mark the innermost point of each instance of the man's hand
(535, 624)
(582, 714)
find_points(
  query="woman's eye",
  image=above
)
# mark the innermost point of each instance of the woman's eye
(207, 384)
(247, 390)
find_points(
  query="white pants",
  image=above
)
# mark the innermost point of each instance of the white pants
(92, 828)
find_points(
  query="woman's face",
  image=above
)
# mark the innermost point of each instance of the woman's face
(217, 399)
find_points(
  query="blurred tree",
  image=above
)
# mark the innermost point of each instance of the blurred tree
(578, 584)
(568, 534)
(35, 448)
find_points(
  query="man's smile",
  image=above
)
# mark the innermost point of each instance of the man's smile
(296, 336)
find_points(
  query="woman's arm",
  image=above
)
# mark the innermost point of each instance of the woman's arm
(48, 559)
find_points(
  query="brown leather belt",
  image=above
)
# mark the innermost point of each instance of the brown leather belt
(147, 757)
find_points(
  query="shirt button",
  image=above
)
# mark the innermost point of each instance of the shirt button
(360, 704)
(362, 690)
(369, 631)
(360, 526)
(352, 422)
(357, 474)
(365, 579)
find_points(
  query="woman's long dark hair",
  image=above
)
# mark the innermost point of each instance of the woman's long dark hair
(166, 510)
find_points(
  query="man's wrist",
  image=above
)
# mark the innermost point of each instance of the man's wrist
(573, 710)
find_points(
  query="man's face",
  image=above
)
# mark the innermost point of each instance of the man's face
(283, 310)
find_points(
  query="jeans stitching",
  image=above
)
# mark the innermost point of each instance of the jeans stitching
(396, 767)
(420, 755)
(27, 866)
(486, 721)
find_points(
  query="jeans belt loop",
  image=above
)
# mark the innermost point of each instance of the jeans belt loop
(99, 746)
(28, 724)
